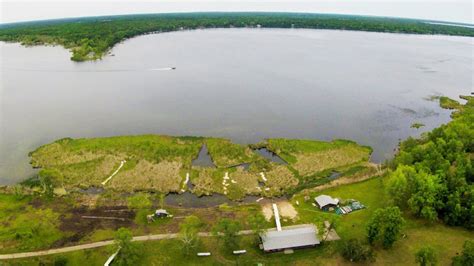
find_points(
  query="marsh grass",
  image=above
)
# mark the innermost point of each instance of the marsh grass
(160, 163)
(448, 103)
(224, 153)
(309, 157)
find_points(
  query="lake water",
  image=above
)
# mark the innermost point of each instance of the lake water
(243, 84)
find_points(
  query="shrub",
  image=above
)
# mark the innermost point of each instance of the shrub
(426, 256)
(467, 256)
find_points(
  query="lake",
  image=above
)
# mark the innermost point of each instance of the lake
(243, 84)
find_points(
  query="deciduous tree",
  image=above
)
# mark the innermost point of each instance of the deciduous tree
(128, 252)
(227, 230)
(188, 233)
(385, 225)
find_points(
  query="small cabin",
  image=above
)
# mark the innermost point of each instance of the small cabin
(326, 202)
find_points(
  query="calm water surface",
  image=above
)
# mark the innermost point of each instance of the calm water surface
(243, 84)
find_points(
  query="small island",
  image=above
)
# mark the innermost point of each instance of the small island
(417, 125)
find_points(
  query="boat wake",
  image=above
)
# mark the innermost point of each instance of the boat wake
(86, 71)
(162, 69)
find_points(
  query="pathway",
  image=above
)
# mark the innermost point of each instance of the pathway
(100, 244)
(114, 173)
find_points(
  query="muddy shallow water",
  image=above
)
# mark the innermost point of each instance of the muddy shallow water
(243, 84)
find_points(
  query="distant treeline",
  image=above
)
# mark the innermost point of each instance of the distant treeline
(91, 37)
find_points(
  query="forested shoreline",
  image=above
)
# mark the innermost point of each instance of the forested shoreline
(91, 38)
(433, 176)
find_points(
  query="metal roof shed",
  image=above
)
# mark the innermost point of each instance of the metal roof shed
(297, 236)
(325, 200)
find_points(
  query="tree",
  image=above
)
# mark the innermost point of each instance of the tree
(227, 230)
(257, 223)
(467, 256)
(354, 251)
(188, 233)
(128, 252)
(385, 225)
(425, 198)
(398, 184)
(426, 256)
(49, 178)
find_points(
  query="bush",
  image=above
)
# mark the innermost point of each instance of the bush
(354, 251)
(467, 256)
(426, 256)
(60, 261)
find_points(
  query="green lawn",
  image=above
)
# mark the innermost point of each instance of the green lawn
(446, 240)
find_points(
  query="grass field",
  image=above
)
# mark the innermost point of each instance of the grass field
(446, 240)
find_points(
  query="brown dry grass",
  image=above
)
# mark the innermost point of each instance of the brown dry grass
(279, 179)
(56, 154)
(365, 174)
(206, 183)
(246, 180)
(287, 210)
(89, 173)
(162, 177)
(309, 163)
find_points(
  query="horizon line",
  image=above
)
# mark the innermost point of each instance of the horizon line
(452, 23)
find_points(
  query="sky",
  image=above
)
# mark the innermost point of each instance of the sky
(444, 10)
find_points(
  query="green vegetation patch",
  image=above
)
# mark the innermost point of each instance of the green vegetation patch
(24, 227)
(224, 153)
(448, 103)
(417, 125)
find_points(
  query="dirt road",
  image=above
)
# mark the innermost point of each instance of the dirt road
(99, 244)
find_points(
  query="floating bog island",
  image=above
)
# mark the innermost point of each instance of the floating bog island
(164, 164)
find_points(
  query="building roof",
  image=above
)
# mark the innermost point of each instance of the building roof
(324, 200)
(161, 211)
(290, 237)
